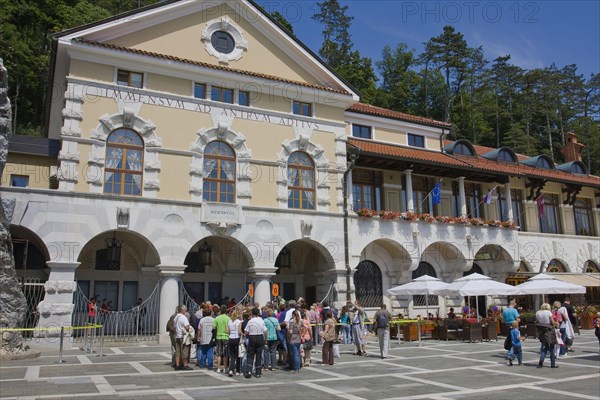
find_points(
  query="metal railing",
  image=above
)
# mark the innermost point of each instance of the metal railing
(140, 323)
(34, 291)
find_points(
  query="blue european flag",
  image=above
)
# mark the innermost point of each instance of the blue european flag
(436, 194)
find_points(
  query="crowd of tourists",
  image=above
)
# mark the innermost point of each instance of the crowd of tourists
(234, 339)
(554, 325)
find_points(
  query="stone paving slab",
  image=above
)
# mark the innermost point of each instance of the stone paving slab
(438, 370)
(65, 387)
(67, 370)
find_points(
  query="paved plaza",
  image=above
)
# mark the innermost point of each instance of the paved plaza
(437, 370)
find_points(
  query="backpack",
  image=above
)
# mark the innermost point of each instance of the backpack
(382, 321)
(508, 342)
(171, 324)
(557, 316)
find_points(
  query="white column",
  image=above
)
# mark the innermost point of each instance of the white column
(462, 202)
(262, 283)
(57, 307)
(169, 297)
(410, 203)
(509, 207)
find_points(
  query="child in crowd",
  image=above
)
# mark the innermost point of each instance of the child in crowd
(516, 339)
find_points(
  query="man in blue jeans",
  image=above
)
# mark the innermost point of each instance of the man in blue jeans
(204, 350)
(510, 315)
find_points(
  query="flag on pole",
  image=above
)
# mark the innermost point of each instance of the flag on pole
(436, 194)
(487, 199)
(540, 205)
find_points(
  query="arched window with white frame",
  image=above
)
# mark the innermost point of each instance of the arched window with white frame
(301, 181)
(123, 171)
(219, 173)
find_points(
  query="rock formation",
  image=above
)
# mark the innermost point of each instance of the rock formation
(12, 300)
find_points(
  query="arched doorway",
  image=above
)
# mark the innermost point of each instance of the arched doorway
(368, 284)
(113, 268)
(425, 268)
(303, 268)
(527, 302)
(592, 295)
(30, 255)
(217, 271)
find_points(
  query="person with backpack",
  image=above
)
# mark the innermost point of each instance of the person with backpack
(382, 328)
(171, 332)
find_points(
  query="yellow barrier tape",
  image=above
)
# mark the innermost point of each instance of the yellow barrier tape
(394, 322)
(50, 328)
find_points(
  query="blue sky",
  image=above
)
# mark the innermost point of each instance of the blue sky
(534, 33)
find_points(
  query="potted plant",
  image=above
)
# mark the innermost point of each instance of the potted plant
(586, 314)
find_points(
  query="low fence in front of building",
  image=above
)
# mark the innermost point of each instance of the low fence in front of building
(141, 323)
(34, 292)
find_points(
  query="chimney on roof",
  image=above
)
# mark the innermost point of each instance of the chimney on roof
(572, 149)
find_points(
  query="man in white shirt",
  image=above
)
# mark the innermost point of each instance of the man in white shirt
(182, 351)
(256, 331)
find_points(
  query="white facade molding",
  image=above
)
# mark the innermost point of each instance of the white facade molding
(224, 24)
(315, 151)
(127, 118)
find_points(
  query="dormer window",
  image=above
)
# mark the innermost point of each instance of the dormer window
(506, 156)
(416, 140)
(577, 169)
(543, 163)
(462, 149)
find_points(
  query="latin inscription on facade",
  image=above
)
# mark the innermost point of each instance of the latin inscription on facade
(92, 92)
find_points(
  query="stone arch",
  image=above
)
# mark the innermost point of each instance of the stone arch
(446, 258)
(128, 118)
(135, 248)
(557, 265)
(243, 155)
(25, 241)
(495, 261)
(135, 277)
(591, 266)
(303, 143)
(312, 269)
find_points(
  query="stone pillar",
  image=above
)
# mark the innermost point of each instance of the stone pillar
(509, 207)
(410, 202)
(169, 297)
(262, 283)
(56, 309)
(462, 202)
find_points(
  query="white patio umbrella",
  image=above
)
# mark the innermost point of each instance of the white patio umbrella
(546, 284)
(423, 285)
(478, 285)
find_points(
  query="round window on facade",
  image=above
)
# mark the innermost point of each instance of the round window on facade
(222, 42)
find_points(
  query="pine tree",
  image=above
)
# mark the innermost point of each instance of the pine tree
(337, 51)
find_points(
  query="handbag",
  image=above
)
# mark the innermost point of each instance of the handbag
(307, 345)
(336, 350)
(507, 343)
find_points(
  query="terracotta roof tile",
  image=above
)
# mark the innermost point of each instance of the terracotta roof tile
(207, 65)
(477, 163)
(363, 108)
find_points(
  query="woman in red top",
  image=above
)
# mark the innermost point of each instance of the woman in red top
(92, 310)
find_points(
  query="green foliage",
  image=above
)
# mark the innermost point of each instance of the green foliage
(337, 51)
(492, 104)
(282, 21)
